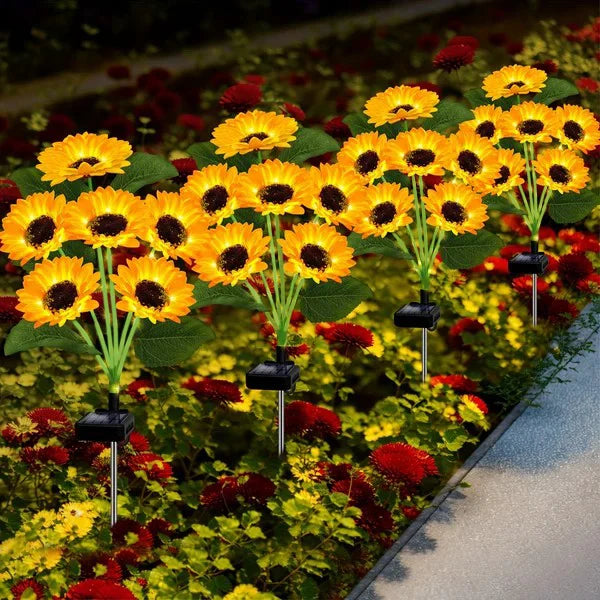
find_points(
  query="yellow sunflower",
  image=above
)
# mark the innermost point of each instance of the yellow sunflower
(34, 227)
(577, 128)
(530, 122)
(153, 289)
(106, 217)
(175, 225)
(334, 189)
(418, 152)
(58, 290)
(83, 155)
(231, 253)
(561, 170)
(364, 154)
(487, 122)
(512, 80)
(512, 164)
(455, 207)
(273, 187)
(400, 103)
(213, 190)
(254, 130)
(317, 252)
(473, 159)
(382, 209)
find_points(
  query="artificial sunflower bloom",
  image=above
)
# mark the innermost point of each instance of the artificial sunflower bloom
(106, 217)
(577, 128)
(254, 131)
(57, 291)
(382, 209)
(34, 227)
(530, 122)
(487, 122)
(213, 190)
(400, 103)
(83, 155)
(513, 80)
(317, 252)
(274, 188)
(455, 207)
(364, 154)
(418, 152)
(153, 289)
(473, 159)
(334, 189)
(231, 253)
(175, 225)
(561, 170)
(512, 164)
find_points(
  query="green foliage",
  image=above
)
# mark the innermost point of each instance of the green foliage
(555, 89)
(449, 114)
(144, 169)
(468, 250)
(358, 123)
(502, 204)
(572, 207)
(205, 154)
(376, 245)
(228, 295)
(29, 181)
(309, 142)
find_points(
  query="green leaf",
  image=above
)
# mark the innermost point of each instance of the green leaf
(29, 181)
(24, 336)
(309, 142)
(227, 295)
(143, 170)
(249, 215)
(502, 204)
(455, 438)
(468, 250)
(571, 207)
(358, 123)
(449, 114)
(397, 177)
(556, 89)
(204, 153)
(78, 248)
(309, 590)
(242, 162)
(168, 343)
(476, 97)
(376, 245)
(332, 301)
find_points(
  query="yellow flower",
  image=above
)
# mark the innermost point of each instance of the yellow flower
(275, 188)
(487, 122)
(512, 80)
(254, 130)
(364, 154)
(473, 159)
(243, 592)
(83, 155)
(213, 191)
(57, 291)
(231, 253)
(106, 217)
(577, 128)
(385, 429)
(561, 170)
(317, 252)
(175, 225)
(512, 165)
(77, 519)
(455, 207)
(530, 122)
(400, 103)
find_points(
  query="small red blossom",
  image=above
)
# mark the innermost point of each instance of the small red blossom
(98, 589)
(459, 383)
(453, 58)
(91, 561)
(548, 66)
(155, 466)
(17, 148)
(118, 72)
(221, 496)
(346, 338)
(189, 121)
(336, 128)
(168, 100)
(511, 250)
(34, 458)
(127, 557)
(514, 47)
(137, 389)
(119, 126)
(8, 310)
(59, 126)
(241, 97)
(376, 519)
(158, 527)
(139, 442)
(310, 421)
(143, 538)
(403, 464)
(9, 194)
(557, 310)
(524, 285)
(464, 325)
(51, 421)
(479, 403)
(590, 284)
(360, 491)
(294, 111)
(255, 488)
(428, 41)
(588, 84)
(219, 391)
(411, 512)
(587, 244)
(464, 40)
(28, 585)
(185, 167)
(515, 223)
(296, 351)
(255, 79)
(334, 471)
(152, 111)
(573, 267)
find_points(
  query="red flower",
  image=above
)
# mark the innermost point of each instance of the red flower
(459, 383)
(432, 87)
(587, 244)
(255, 79)
(548, 66)
(346, 338)
(257, 283)
(34, 458)
(479, 403)
(51, 421)
(512, 250)
(159, 527)
(18, 148)
(573, 267)
(8, 310)
(570, 236)
(524, 286)
(185, 167)
(556, 310)
(88, 567)
(58, 127)
(360, 491)
(9, 194)
(98, 589)
(155, 466)
(118, 72)
(84, 451)
(125, 526)
(119, 126)
(465, 325)
(307, 420)
(126, 557)
(514, 47)
(401, 463)
(464, 40)
(337, 128)
(139, 442)
(190, 121)
(168, 100)
(334, 472)
(294, 111)
(255, 488)
(516, 224)
(221, 496)
(150, 110)
(376, 519)
(453, 58)
(428, 41)
(295, 351)
(411, 512)
(137, 389)
(587, 84)
(25, 585)
(590, 285)
(496, 264)
(219, 391)
(241, 97)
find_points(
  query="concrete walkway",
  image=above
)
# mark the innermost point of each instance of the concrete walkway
(529, 527)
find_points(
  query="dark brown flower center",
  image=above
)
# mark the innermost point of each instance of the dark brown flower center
(367, 162)
(514, 83)
(453, 212)
(214, 199)
(90, 160)
(40, 231)
(485, 129)
(573, 130)
(60, 296)
(383, 214)
(559, 174)
(108, 224)
(504, 175)
(469, 162)
(333, 199)
(171, 230)
(233, 258)
(420, 158)
(151, 294)
(261, 135)
(276, 193)
(315, 257)
(530, 127)
(405, 107)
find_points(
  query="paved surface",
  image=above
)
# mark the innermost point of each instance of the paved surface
(529, 527)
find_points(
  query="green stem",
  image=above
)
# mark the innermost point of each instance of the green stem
(123, 356)
(113, 300)
(400, 242)
(124, 332)
(99, 333)
(274, 266)
(84, 334)
(107, 314)
(280, 259)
